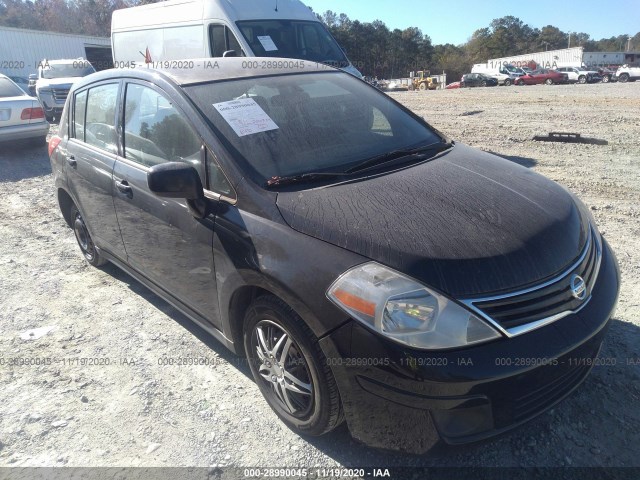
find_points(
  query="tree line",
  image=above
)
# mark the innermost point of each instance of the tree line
(385, 53)
(374, 48)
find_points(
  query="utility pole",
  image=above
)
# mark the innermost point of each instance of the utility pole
(629, 44)
(569, 40)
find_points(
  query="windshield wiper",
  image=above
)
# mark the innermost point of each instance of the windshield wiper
(418, 153)
(278, 181)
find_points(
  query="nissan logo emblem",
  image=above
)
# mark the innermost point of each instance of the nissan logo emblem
(578, 287)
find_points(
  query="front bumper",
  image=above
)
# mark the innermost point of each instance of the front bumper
(23, 132)
(399, 398)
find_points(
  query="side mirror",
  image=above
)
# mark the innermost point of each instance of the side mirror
(230, 53)
(32, 76)
(179, 180)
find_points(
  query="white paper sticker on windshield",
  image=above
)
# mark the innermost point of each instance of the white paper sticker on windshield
(245, 116)
(267, 43)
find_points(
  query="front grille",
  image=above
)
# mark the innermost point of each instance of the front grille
(60, 94)
(549, 301)
(538, 400)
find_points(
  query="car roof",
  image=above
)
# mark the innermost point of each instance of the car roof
(203, 70)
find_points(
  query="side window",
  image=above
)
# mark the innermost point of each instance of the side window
(218, 42)
(223, 39)
(100, 130)
(233, 44)
(218, 181)
(381, 125)
(155, 132)
(79, 108)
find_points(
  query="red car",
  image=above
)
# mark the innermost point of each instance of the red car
(542, 75)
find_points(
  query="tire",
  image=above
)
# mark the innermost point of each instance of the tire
(49, 118)
(309, 405)
(85, 242)
(548, 81)
(606, 79)
(507, 82)
(582, 79)
(412, 87)
(624, 78)
(484, 83)
(423, 86)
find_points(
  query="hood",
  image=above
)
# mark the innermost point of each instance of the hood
(65, 82)
(467, 223)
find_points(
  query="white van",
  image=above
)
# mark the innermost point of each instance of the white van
(185, 29)
(505, 74)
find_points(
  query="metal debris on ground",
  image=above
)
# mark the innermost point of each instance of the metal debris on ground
(564, 137)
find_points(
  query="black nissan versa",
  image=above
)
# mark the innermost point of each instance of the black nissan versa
(370, 269)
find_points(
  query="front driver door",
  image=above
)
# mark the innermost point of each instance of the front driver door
(163, 240)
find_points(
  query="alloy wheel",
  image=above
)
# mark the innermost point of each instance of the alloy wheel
(283, 368)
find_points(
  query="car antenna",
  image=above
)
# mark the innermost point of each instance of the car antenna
(276, 5)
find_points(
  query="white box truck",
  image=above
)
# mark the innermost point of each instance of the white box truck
(187, 29)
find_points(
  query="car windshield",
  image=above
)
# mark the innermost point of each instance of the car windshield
(292, 39)
(293, 124)
(62, 70)
(9, 89)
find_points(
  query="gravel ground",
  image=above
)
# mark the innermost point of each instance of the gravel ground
(136, 412)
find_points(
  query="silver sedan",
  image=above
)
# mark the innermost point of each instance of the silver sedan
(21, 116)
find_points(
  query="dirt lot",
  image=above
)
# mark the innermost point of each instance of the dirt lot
(135, 412)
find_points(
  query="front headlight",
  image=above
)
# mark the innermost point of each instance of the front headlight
(402, 309)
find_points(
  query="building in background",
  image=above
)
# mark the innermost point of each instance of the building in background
(21, 50)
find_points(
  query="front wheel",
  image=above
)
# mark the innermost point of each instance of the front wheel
(606, 79)
(624, 78)
(290, 368)
(582, 80)
(85, 242)
(507, 82)
(423, 86)
(548, 81)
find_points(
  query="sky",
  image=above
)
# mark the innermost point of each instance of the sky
(454, 21)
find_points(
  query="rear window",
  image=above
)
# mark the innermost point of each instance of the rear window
(291, 124)
(9, 89)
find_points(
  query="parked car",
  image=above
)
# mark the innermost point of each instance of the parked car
(22, 82)
(580, 75)
(368, 267)
(607, 74)
(21, 116)
(542, 75)
(627, 73)
(453, 85)
(478, 80)
(55, 78)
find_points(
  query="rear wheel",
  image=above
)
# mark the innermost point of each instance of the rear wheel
(85, 242)
(290, 368)
(582, 79)
(507, 82)
(606, 79)
(624, 78)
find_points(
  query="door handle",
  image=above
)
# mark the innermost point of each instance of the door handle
(71, 160)
(124, 187)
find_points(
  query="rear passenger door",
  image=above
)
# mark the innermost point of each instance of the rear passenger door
(164, 242)
(90, 158)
